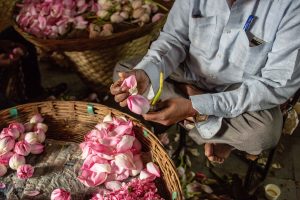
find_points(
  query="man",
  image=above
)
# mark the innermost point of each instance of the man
(244, 54)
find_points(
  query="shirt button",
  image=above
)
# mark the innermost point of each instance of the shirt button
(229, 31)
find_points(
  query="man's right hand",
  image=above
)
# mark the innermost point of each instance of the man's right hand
(121, 94)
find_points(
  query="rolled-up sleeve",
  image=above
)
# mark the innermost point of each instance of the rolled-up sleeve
(279, 79)
(170, 49)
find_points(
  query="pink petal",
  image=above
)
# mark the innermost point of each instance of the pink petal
(2, 185)
(138, 164)
(101, 168)
(113, 185)
(25, 171)
(60, 194)
(146, 175)
(37, 148)
(130, 83)
(125, 143)
(138, 104)
(31, 193)
(4, 159)
(92, 179)
(115, 169)
(153, 169)
(20, 127)
(123, 176)
(137, 146)
(125, 160)
(108, 118)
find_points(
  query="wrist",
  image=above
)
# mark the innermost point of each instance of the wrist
(197, 117)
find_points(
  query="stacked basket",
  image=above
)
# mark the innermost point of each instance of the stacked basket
(69, 121)
(94, 59)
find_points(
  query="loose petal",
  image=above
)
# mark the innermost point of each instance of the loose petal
(125, 143)
(31, 193)
(36, 148)
(130, 83)
(153, 169)
(113, 185)
(146, 175)
(124, 160)
(138, 104)
(60, 194)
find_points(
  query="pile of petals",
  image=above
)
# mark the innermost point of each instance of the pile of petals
(135, 102)
(52, 18)
(112, 154)
(56, 18)
(19, 140)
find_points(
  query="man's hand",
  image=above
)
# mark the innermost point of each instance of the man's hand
(121, 94)
(10, 52)
(171, 111)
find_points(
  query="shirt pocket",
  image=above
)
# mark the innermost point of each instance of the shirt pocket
(201, 33)
(250, 59)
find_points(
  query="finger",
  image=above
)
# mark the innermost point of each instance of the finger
(123, 103)
(116, 88)
(121, 97)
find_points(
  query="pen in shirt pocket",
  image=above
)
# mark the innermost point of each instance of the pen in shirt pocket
(248, 23)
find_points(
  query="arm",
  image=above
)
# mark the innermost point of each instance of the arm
(170, 49)
(279, 80)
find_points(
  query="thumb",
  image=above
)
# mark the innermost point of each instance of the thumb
(124, 75)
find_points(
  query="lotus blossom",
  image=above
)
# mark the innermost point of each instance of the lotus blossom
(37, 118)
(25, 171)
(6, 144)
(15, 161)
(138, 104)
(12, 132)
(60, 194)
(22, 148)
(15, 125)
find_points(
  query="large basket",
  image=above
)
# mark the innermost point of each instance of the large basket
(94, 59)
(6, 8)
(71, 120)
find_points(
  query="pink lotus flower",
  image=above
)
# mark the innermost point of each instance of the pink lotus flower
(60, 194)
(15, 125)
(131, 84)
(3, 170)
(36, 148)
(16, 161)
(25, 171)
(12, 132)
(37, 118)
(4, 159)
(153, 169)
(138, 104)
(22, 148)
(7, 143)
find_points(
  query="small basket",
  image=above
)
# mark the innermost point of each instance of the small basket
(69, 121)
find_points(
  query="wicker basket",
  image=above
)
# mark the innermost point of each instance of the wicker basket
(70, 120)
(94, 59)
(6, 8)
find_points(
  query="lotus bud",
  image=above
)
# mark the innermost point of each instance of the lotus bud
(36, 148)
(60, 194)
(147, 8)
(105, 33)
(103, 14)
(136, 4)
(41, 136)
(126, 9)
(32, 138)
(113, 185)
(28, 126)
(41, 126)
(157, 17)
(145, 18)
(22, 148)
(154, 8)
(137, 13)
(25, 171)
(3, 170)
(116, 18)
(153, 169)
(138, 104)
(6, 144)
(108, 27)
(11, 132)
(20, 127)
(37, 118)
(4, 159)
(16, 161)
(105, 4)
(124, 14)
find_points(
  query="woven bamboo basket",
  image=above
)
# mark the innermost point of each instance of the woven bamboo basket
(94, 59)
(6, 9)
(69, 121)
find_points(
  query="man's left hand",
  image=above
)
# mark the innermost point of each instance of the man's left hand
(171, 111)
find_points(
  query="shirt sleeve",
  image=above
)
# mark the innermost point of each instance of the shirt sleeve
(279, 80)
(170, 49)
